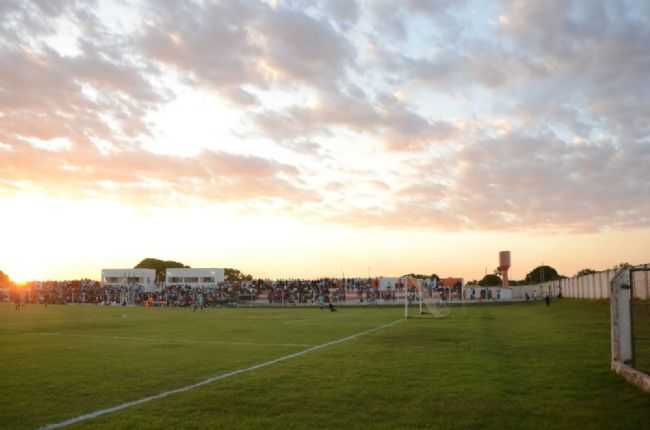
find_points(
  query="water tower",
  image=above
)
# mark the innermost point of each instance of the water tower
(504, 265)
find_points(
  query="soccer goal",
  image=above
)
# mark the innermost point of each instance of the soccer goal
(624, 339)
(422, 301)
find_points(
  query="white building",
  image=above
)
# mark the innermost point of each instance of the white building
(195, 278)
(388, 283)
(145, 278)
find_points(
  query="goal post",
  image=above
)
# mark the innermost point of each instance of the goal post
(622, 323)
(422, 300)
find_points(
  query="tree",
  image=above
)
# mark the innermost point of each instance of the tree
(231, 275)
(160, 266)
(585, 272)
(490, 280)
(421, 276)
(514, 282)
(542, 274)
(5, 281)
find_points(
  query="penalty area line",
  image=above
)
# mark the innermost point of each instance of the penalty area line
(100, 412)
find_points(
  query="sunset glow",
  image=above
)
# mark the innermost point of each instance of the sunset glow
(323, 138)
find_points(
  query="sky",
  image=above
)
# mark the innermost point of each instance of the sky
(308, 138)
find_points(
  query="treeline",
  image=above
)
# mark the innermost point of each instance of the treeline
(421, 276)
(536, 276)
(160, 266)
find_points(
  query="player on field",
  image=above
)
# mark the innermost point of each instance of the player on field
(198, 301)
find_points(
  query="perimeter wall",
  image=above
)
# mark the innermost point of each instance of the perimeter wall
(594, 286)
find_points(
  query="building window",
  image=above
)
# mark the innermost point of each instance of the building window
(207, 280)
(191, 280)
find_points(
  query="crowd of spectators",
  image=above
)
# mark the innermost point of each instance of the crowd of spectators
(229, 293)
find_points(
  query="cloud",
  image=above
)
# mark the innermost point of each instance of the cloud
(596, 55)
(544, 181)
(228, 45)
(523, 182)
(208, 44)
(303, 48)
(146, 178)
(101, 93)
(427, 87)
(396, 21)
(388, 119)
(34, 18)
(55, 109)
(344, 12)
(580, 65)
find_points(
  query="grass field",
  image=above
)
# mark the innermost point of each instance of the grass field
(641, 334)
(520, 366)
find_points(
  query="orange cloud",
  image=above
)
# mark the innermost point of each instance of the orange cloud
(149, 177)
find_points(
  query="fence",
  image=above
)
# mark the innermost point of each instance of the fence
(629, 329)
(593, 286)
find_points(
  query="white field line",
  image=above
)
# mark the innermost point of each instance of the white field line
(316, 320)
(309, 321)
(176, 341)
(100, 412)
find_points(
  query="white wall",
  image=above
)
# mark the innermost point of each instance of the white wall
(386, 283)
(591, 287)
(145, 278)
(184, 276)
(504, 294)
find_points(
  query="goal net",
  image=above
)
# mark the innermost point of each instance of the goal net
(424, 300)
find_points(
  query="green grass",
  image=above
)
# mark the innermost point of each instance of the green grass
(641, 334)
(519, 366)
